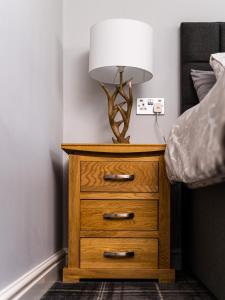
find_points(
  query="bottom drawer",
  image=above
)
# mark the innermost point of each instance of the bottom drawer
(118, 253)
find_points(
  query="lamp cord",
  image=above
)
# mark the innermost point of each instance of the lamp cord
(157, 124)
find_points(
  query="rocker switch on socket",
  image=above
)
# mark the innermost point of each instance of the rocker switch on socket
(150, 106)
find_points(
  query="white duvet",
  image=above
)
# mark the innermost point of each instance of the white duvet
(195, 152)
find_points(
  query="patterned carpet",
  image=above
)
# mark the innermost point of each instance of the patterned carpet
(185, 288)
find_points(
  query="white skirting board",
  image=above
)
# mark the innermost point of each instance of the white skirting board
(33, 284)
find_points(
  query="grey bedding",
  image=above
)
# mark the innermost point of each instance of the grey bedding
(195, 152)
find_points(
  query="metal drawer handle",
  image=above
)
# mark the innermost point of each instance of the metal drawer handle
(118, 216)
(119, 177)
(120, 254)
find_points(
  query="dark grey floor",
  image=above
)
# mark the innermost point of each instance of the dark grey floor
(186, 287)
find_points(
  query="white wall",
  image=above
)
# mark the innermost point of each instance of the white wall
(30, 134)
(85, 107)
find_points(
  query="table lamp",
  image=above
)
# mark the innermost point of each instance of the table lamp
(120, 55)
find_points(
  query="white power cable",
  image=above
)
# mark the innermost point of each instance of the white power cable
(157, 124)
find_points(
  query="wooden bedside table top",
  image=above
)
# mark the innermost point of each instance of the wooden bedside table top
(113, 148)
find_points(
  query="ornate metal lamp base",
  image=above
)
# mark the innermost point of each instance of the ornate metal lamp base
(119, 116)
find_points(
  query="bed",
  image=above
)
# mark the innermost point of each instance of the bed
(203, 207)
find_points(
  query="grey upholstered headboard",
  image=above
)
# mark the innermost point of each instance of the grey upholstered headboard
(203, 209)
(198, 41)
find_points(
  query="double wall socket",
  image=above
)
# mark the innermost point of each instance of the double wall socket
(150, 106)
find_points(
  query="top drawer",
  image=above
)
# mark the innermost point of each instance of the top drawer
(117, 176)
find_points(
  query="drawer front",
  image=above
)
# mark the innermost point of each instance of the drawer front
(119, 214)
(118, 253)
(117, 176)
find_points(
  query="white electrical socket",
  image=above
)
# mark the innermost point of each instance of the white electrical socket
(150, 106)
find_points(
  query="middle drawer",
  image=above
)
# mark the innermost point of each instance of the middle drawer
(119, 214)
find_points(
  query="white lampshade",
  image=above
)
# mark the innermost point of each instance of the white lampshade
(120, 42)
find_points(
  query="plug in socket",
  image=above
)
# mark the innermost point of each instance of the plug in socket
(150, 106)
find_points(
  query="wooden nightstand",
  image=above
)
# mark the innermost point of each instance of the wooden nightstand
(119, 212)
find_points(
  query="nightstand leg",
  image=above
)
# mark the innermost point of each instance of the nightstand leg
(70, 279)
(168, 278)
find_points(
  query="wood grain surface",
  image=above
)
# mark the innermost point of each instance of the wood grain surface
(145, 214)
(163, 275)
(92, 249)
(119, 233)
(145, 176)
(90, 196)
(112, 148)
(119, 196)
(74, 212)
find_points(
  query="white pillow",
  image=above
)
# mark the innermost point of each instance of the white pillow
(217, 62)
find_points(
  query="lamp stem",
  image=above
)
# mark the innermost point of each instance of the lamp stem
(121, 77)
(119, 125)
